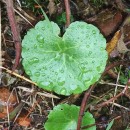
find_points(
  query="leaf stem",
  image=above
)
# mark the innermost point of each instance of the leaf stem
(83, 105)
(67, 8)
(15, 32)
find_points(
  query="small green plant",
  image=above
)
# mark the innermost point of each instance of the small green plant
(66, 65)
(110, 125)
(124, 77)
(61, 19)
(64, 117)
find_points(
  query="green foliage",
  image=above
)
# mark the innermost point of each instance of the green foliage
(61, 19)
(124, 77)
(64, 65)
(97, 3)
(110, 125)
(65, 117)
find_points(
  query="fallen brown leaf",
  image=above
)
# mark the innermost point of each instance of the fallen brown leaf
(23, 121)
(113, 43)
(107, 21)
(7, 99)
(121, 47)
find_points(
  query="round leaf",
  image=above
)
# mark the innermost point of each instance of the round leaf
(67, 65)
(65, 117)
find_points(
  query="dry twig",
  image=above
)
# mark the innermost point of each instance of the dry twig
(83, 105)
(114, 98)
(15, 32)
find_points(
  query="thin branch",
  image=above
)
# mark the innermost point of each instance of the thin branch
(112, 65)
(83, 105)
(67, 8)
(15, 32)
(113, 98)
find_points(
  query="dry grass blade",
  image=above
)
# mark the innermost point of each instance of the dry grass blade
(25, 14)
(23, 17)
(24, 78)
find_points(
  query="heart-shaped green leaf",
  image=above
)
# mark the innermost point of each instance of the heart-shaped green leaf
(65, 117)
(66, 65)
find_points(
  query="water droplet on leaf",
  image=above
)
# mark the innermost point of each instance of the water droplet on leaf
(101, 48)
(56, 73)
(40, 38)
(28, 72)
(43, 28)
(35, 46)
(73, 86)
(87, 46)
(35, 60)
(62, 70)
(63, 91)
(45, 84)
(83, 67)
(41, 45)
(89, 53)
(37, 74)
(94, 31)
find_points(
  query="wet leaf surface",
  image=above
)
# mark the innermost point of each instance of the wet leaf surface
(64, 117)
(64, 65)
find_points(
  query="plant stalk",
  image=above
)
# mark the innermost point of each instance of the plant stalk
(67, 8)
(15, 32)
